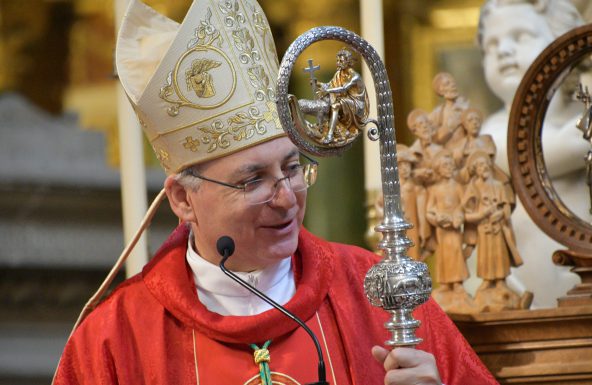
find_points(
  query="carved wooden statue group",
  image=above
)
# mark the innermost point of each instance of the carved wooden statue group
(457, 200)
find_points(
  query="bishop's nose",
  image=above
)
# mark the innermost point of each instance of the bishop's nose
(284, 195)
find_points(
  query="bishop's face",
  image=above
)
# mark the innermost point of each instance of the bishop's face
(513, 36)
(263, 233)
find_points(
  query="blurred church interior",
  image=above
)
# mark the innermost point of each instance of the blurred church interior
(60, 197)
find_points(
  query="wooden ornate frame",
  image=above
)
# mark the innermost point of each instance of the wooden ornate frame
(527, 165)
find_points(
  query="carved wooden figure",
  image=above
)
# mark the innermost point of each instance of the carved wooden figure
(444, 211)
(471, 120)
(446, 117)
(487, 205)
(424, 147)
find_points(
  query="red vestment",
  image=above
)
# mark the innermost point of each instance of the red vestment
(153, 330)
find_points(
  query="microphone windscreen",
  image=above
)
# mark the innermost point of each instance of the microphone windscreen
(225, 244)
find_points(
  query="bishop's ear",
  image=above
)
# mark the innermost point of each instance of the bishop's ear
(179, 199)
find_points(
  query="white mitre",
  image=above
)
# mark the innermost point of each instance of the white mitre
(204, 88)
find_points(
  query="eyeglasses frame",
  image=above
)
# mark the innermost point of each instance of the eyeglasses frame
(243, 186)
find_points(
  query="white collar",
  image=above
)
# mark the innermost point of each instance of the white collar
(222, 295)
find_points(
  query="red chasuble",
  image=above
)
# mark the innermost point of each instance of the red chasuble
(154, 330)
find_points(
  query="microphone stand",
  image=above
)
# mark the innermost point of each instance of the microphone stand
(321, 370)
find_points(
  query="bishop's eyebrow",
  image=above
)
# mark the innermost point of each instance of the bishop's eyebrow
(255, 167)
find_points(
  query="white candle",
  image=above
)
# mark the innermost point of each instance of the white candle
(133, 173)
(373, 32)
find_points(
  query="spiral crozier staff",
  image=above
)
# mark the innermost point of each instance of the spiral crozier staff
(397, 283)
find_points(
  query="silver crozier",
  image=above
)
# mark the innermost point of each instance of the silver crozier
(397, 283)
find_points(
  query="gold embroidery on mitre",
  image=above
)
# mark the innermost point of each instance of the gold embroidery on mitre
(262, 28)
(195, 67)
(240, 126)
(244, 42)
(162, 156)
(206, 33)
(220, 87)
(142, 122)
(246, 45)
(272, 115)
(191, 144)
(231, 9)
(260, 81)
(199, 79)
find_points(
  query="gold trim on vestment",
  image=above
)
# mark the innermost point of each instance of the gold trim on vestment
(195, 358)
(326, 348)
(282, 374)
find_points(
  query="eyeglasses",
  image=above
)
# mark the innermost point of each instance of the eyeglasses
(298, 177)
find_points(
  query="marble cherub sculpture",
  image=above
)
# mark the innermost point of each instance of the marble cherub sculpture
(512, 33)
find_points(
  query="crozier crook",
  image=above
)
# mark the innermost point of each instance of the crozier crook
(397, 283)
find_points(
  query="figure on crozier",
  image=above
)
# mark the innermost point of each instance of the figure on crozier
(511, 35)
(341, 106)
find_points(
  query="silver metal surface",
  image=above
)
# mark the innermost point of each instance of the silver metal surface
(397, 283)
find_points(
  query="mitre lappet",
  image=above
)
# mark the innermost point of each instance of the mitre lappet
(204, 88)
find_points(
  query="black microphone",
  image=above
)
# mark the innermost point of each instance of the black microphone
(225, 247)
